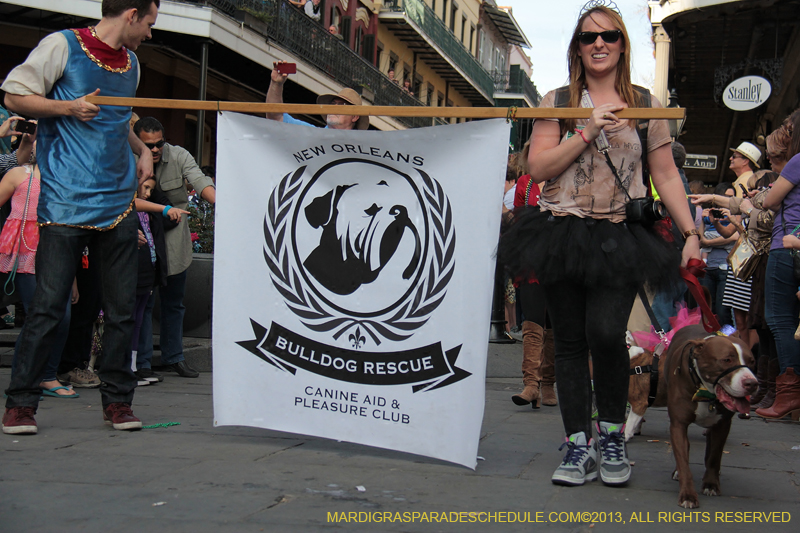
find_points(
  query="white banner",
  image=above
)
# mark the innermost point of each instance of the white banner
(353, 280)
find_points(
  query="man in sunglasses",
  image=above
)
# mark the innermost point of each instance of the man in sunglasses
(743, 162)
(172, 166)
(346, 96)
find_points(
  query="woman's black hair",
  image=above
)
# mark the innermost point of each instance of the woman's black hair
(723, 187)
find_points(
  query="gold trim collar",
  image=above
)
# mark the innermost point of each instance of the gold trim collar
(99, 63)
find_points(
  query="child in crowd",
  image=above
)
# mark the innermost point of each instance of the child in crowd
(154, 220)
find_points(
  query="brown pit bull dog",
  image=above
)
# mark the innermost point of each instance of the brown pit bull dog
(703, 379)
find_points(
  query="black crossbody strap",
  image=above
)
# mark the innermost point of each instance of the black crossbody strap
(653, 319)
(641, 130)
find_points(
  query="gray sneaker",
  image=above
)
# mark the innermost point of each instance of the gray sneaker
(580, 463)
(79, 378)
(615, 468)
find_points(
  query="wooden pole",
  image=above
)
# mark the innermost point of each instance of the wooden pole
(387, 111)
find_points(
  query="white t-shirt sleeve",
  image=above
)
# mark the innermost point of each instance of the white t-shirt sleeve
(309, 7)
(40, 71)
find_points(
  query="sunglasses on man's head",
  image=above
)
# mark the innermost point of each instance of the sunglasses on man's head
(589, 37)
(159, 144)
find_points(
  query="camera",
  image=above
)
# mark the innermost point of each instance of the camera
(717, 213)
(645, 210)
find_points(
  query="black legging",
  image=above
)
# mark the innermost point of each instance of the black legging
(593, 319)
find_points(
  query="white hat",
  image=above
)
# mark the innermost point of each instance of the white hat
(750, 151)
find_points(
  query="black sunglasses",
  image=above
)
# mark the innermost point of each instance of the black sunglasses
(589, 37)
(159, 144)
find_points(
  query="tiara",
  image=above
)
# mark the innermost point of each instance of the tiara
(591, 4)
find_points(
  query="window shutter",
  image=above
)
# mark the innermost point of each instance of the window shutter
(368, 50)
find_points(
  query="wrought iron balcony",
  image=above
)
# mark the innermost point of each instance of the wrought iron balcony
(514, 82)
(292, 30)
(430, 38)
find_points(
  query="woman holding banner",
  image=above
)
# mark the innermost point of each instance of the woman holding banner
(595, 243)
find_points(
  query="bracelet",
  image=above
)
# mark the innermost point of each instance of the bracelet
(689, 233)
(580, 132)
(164, 212)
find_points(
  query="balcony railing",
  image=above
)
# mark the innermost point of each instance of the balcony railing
(516, 81)
(437, 31)
(291, 29)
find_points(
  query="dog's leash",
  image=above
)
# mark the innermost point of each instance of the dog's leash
(696, 269)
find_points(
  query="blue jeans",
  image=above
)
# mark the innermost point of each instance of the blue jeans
(59, 251)
(714, 281)
(782, 307)
(78, 346)
(26, 287)
(172, 311)
(664, 305)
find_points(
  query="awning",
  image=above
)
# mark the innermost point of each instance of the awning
(507, 24)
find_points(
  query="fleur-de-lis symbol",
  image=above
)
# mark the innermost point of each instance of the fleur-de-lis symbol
(357, 340)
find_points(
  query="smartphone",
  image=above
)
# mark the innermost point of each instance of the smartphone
(23, 126)
(286, 68)
(716, 213)
(745, 194)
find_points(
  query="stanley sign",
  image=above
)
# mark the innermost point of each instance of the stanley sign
(746, 93)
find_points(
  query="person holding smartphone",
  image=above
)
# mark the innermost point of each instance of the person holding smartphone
(346, 96)
(21, 155)
(718, 247)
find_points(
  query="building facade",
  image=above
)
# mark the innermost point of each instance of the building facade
(225, 49)
(701, 47)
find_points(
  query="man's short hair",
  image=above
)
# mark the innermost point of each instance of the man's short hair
(678, 154)
(115, 8)
(148, 124)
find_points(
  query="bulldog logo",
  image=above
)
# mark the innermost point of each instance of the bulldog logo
(360, 249)
(361, 233)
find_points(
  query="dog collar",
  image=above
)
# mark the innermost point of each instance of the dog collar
(704, 395)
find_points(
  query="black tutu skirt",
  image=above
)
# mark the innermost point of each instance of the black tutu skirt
(594, 252)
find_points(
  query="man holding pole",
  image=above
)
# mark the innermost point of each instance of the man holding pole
(346, 96)
(89, 179)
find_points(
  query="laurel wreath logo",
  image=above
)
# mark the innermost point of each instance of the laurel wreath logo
(406, 317)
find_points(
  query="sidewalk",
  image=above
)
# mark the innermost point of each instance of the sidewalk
(79, 475)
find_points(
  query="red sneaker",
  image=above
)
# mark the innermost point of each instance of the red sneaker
(120, 416)
(20, 421)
